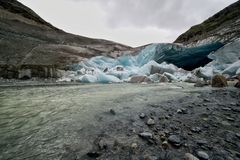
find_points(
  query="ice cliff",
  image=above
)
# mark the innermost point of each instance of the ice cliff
(153, 62)
(225, 61)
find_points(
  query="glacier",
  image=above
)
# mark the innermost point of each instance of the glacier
(170, 62)
(225, 61)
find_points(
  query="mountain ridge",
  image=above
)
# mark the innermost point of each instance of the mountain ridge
(29, 42)
(223, 27)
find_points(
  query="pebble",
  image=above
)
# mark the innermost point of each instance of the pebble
(203, 155)
(225, 123)
(102, 144)
(165, 144)
(201, 142)
(142, 115)
(112, 112)
(189, 156)
(226, 109)
(146, 135)
(134, 146)
(179, 111)
(238, 135)
(174, 139)
(150, 122)
(196, 129)
(230, 119)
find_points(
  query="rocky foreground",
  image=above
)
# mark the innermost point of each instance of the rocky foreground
(205, 127)
(166, 121)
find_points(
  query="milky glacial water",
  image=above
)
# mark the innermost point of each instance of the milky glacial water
(44, 122)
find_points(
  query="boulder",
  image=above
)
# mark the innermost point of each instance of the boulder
(158, 78)
(140, 79)
(163, 79)
(219, 81)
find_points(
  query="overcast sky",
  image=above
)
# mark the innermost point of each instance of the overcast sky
(131, 22)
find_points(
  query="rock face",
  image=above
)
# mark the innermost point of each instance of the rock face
(222, 27)
(219, 81)
(27, 42)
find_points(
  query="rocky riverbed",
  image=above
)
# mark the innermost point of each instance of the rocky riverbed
(120, 121)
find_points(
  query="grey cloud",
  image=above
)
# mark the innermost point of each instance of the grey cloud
(164, 14)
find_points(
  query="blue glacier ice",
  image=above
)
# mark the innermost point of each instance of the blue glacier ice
(165, 59)
(225, 61)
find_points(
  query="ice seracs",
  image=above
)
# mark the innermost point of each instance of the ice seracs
(226, 61)
(152, 65)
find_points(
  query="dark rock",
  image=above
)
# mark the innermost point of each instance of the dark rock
(105, 70)
(93, 154)
(112, 112)
(142, 115)
(120, 68)
(219, 81)
(237, 85)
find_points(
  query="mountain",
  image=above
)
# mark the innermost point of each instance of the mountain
(222, 27)
(30, 44)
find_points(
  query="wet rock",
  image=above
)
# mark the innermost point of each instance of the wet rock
(112, 112)
(202, 155)
(150, 122)
(189, 156)
(175, 140)
(142, 115)
(219, 81)
(184, 111)
(146, 135)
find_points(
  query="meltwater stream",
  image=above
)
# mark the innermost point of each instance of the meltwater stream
(59, 122)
